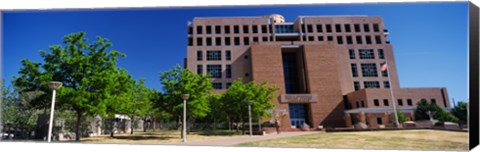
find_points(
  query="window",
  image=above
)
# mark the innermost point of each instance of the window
(217, 85)
(375, 28)
(339, 40)
(386, 84)
(254, 29)
(338, 28)
(227, 29)
(353, 66)
(375, 102)
(236, 40)
(349, 40)
(246, 41)
(359, 39)
(366, 28)
(199, 69)
(304, 38)
(199, 29)
(265, 39)
(229, 84)
(347, 28)
(363, 103)
(264, 28)
(209, 41)
(385, 102)
(379, 120)
(329, 28)
(320, 38)
(358, 104)
(310, 38)
(433, 101)
(371, 84)
(409, 102)
(247, 74)
(351, 53)
(218, 41)
(309, 28)
(319, 28)
(190, 30)
(245, 29)
(330, 38)
(245, 57)
(228, 71)
(236, 29)
(227, 41)
(380, 54)
(400, 102)
(228, 55)
(368, 39)
(215, 70)
(209, 29)
(369, 70)
(199, 41)
(199, 55)
(218, 29)
(357, 27)
(378, 40)
(356, 85)
(190, 43)
(215, 55)
(366, 54)
(255, 39)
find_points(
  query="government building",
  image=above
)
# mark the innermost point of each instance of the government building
(328, 68)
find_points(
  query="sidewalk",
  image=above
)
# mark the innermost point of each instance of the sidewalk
(238, 140)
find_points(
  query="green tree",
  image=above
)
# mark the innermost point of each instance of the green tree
(239, 93)
(141, 103)
(460, 111)
(179, 81)
(401, 116)
(424, 108)
(84, 69)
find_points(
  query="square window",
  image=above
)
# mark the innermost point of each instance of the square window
(215, 55)
(369, 70)
(376, 102)
(215, 70)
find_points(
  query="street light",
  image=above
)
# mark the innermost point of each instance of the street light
(250, 116)
(54, 85)
(184, 131)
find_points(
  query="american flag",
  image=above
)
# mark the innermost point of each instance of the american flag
(384, 66)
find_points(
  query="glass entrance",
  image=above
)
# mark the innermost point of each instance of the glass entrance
(298, 114)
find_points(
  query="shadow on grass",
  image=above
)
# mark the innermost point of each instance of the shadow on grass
(218, 132)
(142, 138)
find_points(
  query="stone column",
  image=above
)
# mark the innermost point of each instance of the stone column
(385, 118)
(348, 120)
(362, 118)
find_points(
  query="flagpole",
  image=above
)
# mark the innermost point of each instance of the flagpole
(391, 93)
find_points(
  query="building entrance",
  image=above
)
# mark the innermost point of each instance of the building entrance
(298, 114)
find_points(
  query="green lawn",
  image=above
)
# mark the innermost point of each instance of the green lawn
(405, 139)
(162, 137)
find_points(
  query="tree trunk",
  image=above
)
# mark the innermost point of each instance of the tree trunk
(153, 124)
(145, 124)
(79, 121)
(131, 125)
(112, 127)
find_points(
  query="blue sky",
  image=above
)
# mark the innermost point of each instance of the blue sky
(429, 39)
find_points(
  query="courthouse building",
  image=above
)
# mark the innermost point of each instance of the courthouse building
(328, 68)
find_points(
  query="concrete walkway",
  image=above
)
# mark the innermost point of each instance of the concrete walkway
(238, 140)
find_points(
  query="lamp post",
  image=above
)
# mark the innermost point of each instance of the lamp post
(250, 116)
(54, 85)
(184, 131)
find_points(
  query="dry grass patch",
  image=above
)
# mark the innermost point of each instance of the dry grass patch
(403, 139)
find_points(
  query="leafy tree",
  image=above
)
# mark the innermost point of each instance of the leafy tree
(239, 93)
(179, 81)
(401, 116)
(460, 111)
(218, 113)
(424, 107)
(141, 103)
(84, 68)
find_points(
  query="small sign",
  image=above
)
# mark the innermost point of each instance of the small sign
(298, 98)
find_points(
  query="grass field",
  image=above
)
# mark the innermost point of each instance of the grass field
(161, 137)
(405, 139)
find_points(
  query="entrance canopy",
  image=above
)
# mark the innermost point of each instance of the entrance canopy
(378, 110)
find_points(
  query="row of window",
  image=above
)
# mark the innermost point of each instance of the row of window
(399, 102)
(218, 85)
(319, 28)
(215, 70)
(227, 41)
(366, 54)
(347, 39)
(368, 70)
(214, 55)
(370, 84)
(227, 29)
